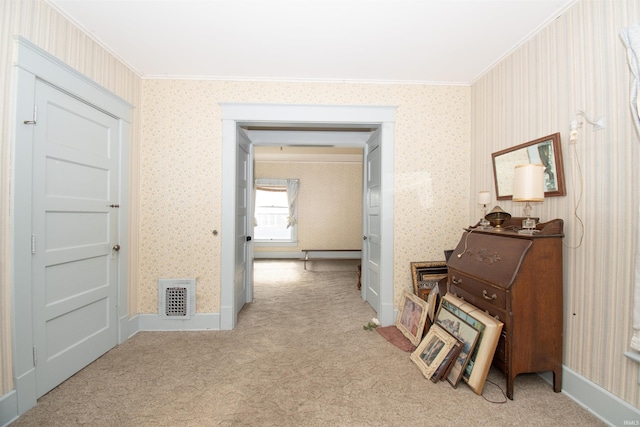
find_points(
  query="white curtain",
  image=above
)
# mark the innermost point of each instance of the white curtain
(293, 185)
(631, 38)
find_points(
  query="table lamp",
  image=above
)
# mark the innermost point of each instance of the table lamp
(484, 198)
(528, 186)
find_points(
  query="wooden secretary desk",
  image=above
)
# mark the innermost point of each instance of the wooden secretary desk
(516, 278)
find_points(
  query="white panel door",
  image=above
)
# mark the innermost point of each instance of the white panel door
(243, 289)
(372, 222)
(75, 227)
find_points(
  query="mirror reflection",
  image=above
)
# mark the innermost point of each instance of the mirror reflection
(545, 151)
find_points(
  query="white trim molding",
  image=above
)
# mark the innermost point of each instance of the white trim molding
(197, 322)
(235, 115)
(595, 399)
(8, 408)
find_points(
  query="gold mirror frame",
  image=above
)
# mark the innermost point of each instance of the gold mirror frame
(545, 150)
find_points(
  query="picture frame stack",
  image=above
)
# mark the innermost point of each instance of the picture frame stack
(476, 370)
(459, 345)
(427, 275)
(468, 335)
(429, 282)
(454, 340)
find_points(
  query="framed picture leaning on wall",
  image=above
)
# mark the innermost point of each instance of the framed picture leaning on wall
(412, 317)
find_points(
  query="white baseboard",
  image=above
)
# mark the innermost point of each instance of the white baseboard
(133, 325)
(595, 399)
(8, 408)
(197, 322)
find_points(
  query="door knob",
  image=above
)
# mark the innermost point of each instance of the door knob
(116, 248)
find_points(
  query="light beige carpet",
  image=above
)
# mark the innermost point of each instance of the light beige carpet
(298, 357)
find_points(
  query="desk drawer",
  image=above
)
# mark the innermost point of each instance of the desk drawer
(483, 294)
(481, 303)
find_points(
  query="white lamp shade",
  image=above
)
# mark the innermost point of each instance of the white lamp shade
(484, 197)
(528, 183)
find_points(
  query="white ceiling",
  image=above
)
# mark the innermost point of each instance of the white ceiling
(413, 41)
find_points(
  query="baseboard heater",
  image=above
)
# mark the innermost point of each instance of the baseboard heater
(176, 298)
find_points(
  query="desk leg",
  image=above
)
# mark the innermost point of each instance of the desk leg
(557, 379)
(510, 383)
(306, 257)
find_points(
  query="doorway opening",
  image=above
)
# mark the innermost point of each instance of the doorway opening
(307, 204)
(245, 126)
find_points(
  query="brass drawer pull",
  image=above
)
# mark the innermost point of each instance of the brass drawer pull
(456, 281)
(486, 296)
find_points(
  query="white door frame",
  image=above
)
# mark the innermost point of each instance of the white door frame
(33, 63)
(234, 115)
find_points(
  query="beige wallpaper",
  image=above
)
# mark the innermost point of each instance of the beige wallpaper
(180, 172)
(577, 63)
(329, 203)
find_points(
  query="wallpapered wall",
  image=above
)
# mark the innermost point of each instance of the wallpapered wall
(180, 170)
(577, 63)
(329, 203)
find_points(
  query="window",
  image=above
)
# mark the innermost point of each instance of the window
(276, 211)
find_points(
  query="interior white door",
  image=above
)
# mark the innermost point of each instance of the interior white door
(243, 268)
(76, 156)
(372, 222)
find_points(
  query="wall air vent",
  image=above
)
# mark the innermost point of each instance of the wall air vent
(176, 298)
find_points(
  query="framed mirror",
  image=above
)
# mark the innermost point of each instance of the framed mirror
(545, 150)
